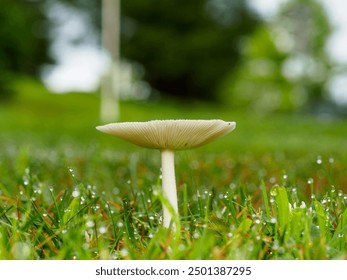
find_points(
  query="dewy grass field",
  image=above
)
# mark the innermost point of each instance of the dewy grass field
(275, 188)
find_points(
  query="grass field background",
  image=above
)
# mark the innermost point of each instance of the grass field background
(275, 188)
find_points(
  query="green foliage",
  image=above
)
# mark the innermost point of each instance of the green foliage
(186, 47)
(285, 65)
(24, 41)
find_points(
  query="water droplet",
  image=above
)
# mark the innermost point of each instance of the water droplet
(274, 191)
(44, 214)
(272, 180)
(75, 193)
(257, 221)
(102, 230)
(71, 172)
(319, 160)
(90, 223)
(285, 176)
(124, 252)
(181, 247)
(310, 181)
(119, 224)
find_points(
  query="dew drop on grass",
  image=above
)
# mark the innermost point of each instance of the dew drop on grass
(102, 230)
(319, 160)
(310, 181)
(72, 172)
(124, 252)
(44, 214)
(272, 180)
(115, 191)
(75, 193)
(90, 223)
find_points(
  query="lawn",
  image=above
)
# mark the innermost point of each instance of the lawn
(275, 188)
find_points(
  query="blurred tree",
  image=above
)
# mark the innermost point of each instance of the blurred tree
(285, 66)
(24, 42)
(185, 47)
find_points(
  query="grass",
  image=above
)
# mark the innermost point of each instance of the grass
(274, 189)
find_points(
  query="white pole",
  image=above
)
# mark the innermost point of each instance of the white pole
(109, 107)
(169, 185)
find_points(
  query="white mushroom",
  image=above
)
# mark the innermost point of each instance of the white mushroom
(169, 136)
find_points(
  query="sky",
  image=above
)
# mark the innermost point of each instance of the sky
(80, 67)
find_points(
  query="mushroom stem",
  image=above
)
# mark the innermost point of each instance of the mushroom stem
(169, 184)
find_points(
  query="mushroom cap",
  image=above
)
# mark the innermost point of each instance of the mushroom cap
(169, 134)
